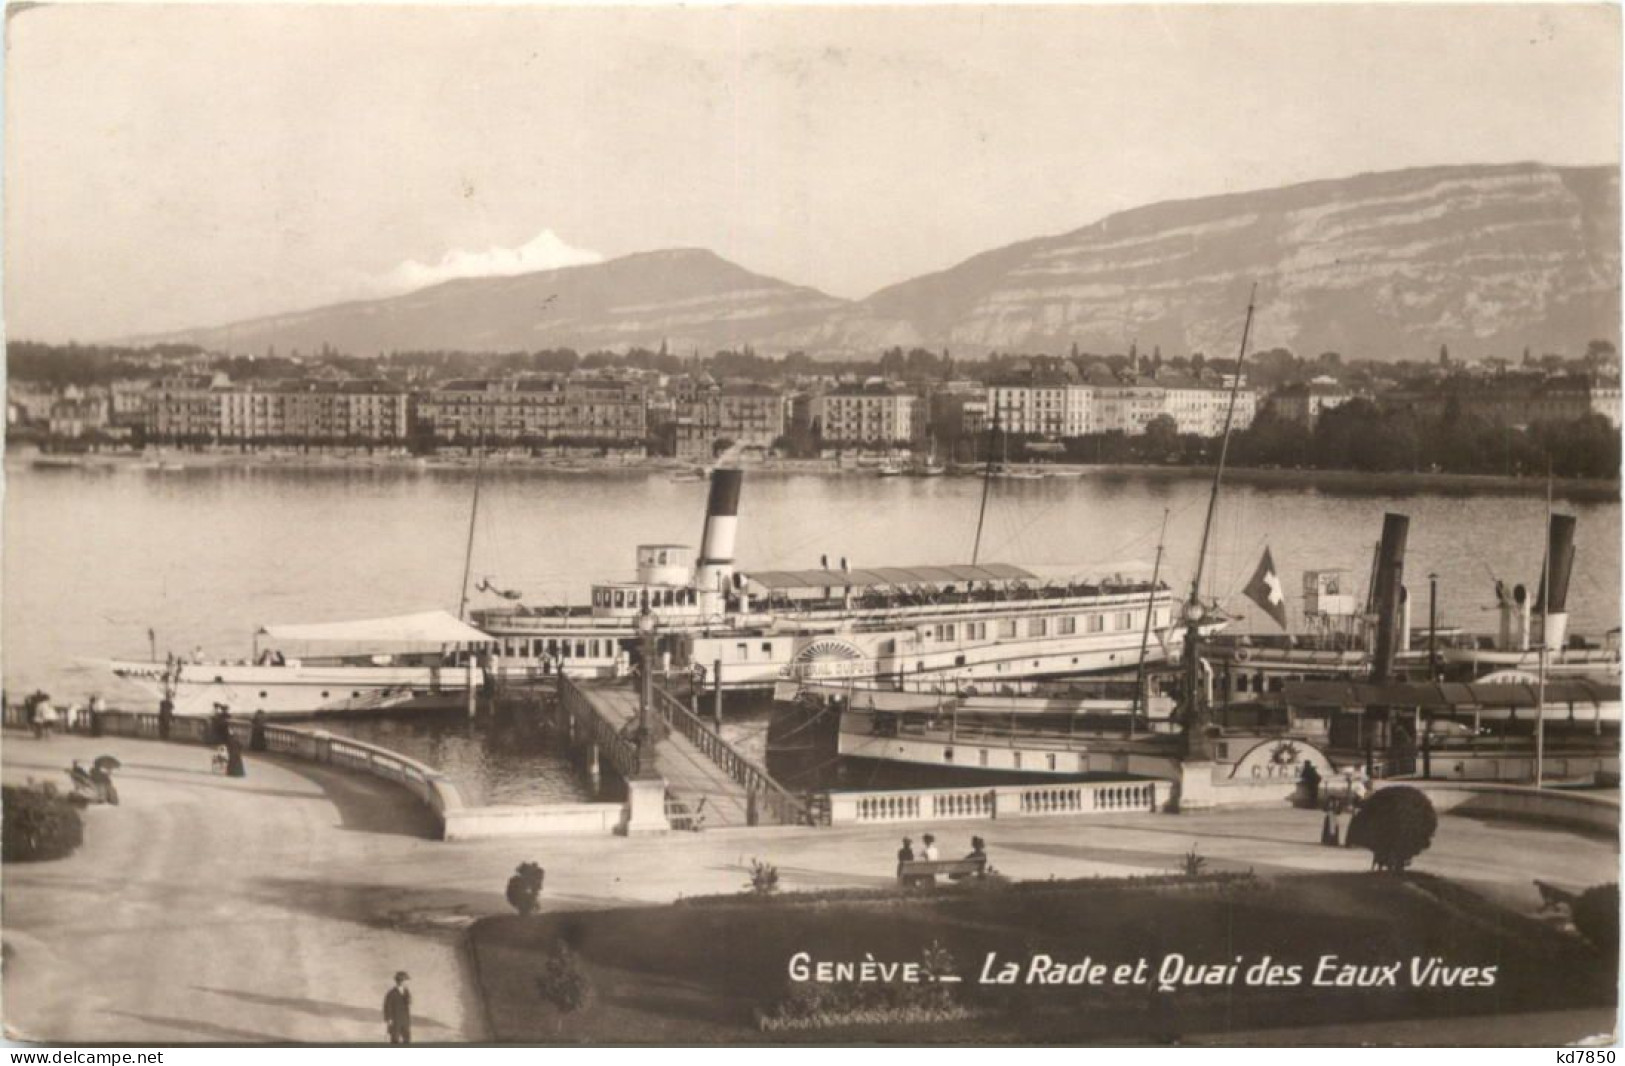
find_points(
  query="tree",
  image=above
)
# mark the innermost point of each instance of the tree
(1161, 438)
(525, 887)
(1396, 825)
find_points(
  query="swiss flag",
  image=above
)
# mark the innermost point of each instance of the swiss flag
(1266, 591)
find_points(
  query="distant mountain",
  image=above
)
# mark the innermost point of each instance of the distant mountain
(689, 298)
(1391, 265)
(1485, 259)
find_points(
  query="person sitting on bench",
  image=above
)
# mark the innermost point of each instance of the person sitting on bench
(912, 872)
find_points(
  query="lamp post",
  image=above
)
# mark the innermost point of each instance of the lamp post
(646, 641)
(1433, 627)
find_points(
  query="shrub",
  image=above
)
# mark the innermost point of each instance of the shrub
(38, 824)
(1396, 825)
(1596, 916)
(525, 888)
(764, 877)
(1190, 865)
(563, 982)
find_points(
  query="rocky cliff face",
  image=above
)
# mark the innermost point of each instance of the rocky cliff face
(1484, 259)
(1392, 265)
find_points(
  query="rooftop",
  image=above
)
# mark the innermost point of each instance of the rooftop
(890, 577)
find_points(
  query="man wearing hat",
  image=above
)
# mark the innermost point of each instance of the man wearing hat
(398, 1010)
(904, 854)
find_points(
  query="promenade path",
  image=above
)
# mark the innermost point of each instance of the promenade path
(689, 774)
(276, 907)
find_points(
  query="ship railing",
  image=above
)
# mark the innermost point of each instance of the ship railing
(1001, 801)
(781, 805)
(868, 606)
(1024, 738)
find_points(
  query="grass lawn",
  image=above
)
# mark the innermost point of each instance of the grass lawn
(697, 971)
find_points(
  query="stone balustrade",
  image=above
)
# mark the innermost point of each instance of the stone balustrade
(1001, 801)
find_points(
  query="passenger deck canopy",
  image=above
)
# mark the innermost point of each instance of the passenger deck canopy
(428, 627)
(890, 577)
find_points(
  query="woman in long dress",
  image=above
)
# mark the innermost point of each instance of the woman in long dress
(234, 757)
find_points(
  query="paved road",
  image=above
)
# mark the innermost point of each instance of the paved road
(203, 908)
(276, 907)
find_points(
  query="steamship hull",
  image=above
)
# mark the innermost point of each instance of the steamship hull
(296, 690)
(749, 629)
(970, 752)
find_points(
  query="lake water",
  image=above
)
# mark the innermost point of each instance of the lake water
(207, 554)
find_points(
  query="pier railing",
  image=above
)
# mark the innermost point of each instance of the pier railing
(618, 749)
(773, 799)
(1001, 801)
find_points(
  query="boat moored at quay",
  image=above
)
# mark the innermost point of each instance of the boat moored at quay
(418, 662)
(1360, 685)
(728, 628)
(750, 629)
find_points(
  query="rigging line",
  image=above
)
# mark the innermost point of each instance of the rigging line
(1235, 535)
(473, 516)
(812, 719)
(1145, 634)
(1224, 448)
(1123, 548)
(987, 480)
(838, 523)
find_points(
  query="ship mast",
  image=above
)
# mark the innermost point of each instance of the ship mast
(1196, 709)
(473, 516)
(1145, 634)
(1545, 638)
(987, 482)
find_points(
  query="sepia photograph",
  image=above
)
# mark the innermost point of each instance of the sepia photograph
(843, 525)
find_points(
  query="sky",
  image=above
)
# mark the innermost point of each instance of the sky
(180, 166)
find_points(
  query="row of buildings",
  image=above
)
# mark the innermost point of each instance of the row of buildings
(1507, 400)
(691, 417)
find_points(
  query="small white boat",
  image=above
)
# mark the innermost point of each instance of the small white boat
(434, 673)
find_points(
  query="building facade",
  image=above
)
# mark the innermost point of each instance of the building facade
(868, 414)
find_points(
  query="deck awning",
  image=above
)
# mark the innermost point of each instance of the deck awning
(428, 627)
(1443, 696)
(890, 577)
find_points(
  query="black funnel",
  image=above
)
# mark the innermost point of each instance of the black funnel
(1387, 592)
(1560, 553)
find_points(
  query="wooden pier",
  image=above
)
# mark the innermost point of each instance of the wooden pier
(710, 781)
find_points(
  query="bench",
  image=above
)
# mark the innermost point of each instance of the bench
(924, 871)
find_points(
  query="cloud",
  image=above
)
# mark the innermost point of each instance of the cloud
(545, 251)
